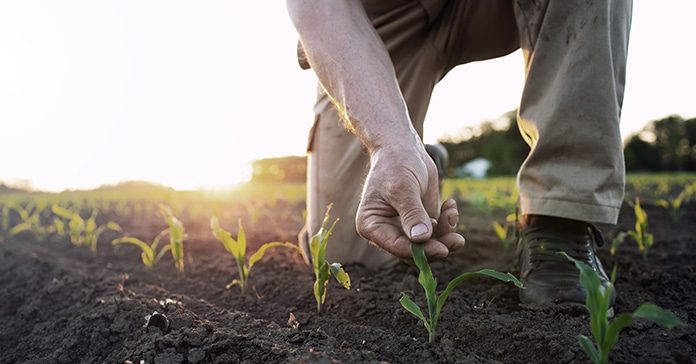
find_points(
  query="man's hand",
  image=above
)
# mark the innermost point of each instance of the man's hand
(400, 204)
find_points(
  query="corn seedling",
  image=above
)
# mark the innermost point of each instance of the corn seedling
(605, 333)
(31, 221)
(81, 231)
(641, 235)
(323, 270)
(435, 302)
(238, 249)
(505, 233)
(149, 255)
(5, 217)
(618, 240)
(674, 206)
(176, 234)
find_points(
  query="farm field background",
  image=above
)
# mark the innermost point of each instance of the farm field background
(63, 303)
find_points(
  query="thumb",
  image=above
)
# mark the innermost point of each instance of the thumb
(414, 219)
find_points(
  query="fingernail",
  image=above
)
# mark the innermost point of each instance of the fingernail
(418, 230)
(453, 219)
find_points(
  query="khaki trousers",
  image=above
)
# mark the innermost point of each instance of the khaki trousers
(575, 55)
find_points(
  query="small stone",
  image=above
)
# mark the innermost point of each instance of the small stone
(292, 321)
(157, 320)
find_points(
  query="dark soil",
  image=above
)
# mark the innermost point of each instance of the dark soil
(61, 304)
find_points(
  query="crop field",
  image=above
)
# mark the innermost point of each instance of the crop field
(147, 274)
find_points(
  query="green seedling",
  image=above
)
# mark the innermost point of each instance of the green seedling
(5, 217)
(618, 240)
(149, 255)
(177, 234)
(605, 333)
(674, 206)
(238, 249)
(81, 231)
(31, 221)
(323, 270)
(435, 302)
(505, 233)
(641, 235)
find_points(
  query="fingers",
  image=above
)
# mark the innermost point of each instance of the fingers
(446, 230)
(449, 218)
(388, 235)
(453, 241)
(415, 220)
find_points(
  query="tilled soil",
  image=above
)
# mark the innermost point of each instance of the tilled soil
(62, 304)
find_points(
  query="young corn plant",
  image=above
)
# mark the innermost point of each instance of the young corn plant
(434, 301)
(323, 270)
(177, 234)
(31, 221)
(149, 255)
(238, 249)
(81, 231)
(605, 333)
(505, 233)
(5, 217)
(640, 235)
(674, 206)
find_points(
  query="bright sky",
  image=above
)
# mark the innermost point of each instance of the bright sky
(188, 93)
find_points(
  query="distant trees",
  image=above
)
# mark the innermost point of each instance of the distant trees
(668, 144)
(283, 169)
(498, 141)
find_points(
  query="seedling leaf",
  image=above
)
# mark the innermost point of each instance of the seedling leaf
(341, 276)
(656, 314)
(589, 348)
(258, 255)
(412, 307)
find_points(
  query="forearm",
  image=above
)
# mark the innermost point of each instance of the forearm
(355, 70)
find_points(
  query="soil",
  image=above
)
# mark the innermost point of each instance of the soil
(62, 304)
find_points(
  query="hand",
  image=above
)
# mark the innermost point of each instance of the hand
(400, 205)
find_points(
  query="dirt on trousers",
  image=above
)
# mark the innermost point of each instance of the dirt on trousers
(62, 304)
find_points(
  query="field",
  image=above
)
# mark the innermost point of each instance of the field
(62, 303)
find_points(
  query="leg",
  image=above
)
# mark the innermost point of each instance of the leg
(575, 55)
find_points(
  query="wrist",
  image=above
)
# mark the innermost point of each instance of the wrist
(404, 143)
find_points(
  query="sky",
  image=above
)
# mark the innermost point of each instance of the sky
(187, 93)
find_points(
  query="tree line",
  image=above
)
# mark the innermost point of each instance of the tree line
(664, 145)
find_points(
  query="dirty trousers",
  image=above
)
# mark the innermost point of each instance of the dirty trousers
(575, 61)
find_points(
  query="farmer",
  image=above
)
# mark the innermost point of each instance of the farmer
(378, 61)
